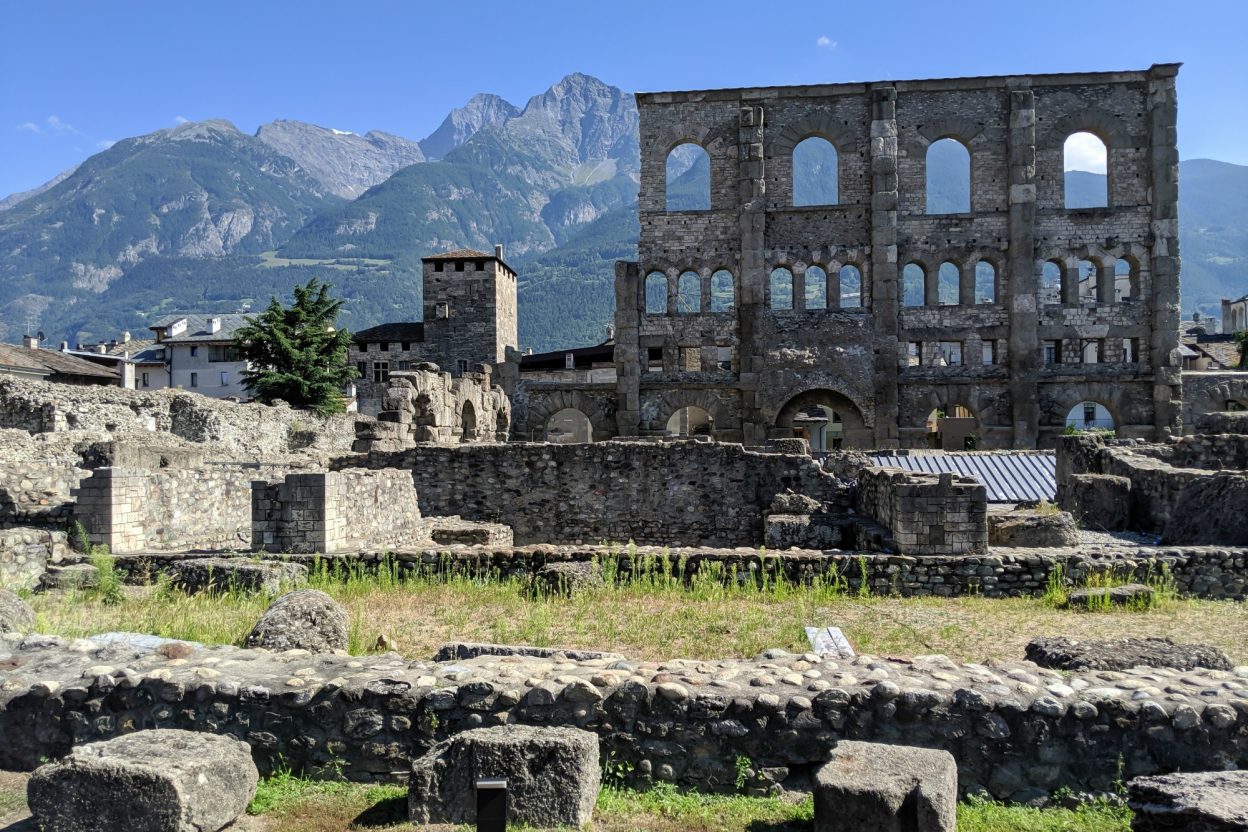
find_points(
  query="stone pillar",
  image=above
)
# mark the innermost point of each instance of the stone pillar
(751, 193)
(885, 300)
(109, 504)
(931, 286)
(966, 285)
(629, 304)
(1106, 280)
(1020, 284)
(1164, 257)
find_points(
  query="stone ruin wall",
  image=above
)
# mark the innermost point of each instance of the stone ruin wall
(928, 514)
(336, 511)
(679, 493)
(424, 405)
(1207, 393)
(25, 554)
(855, 359)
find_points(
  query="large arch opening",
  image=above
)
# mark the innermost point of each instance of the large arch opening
(826, 419)
(1051, 282)
(816, 282)
(781, 290)
(1089, 416)
(851, 287)
(948, 177)
(1085, 164)
(723, 291)
(815, 180)
(688, 294)
(688, 178)
(569, 426)
(913, 288)
(948, 284)
(985, 282)
(468, 423)
(656, 293)
(690, 420)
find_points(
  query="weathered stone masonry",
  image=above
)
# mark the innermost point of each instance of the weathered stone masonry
(857, 361)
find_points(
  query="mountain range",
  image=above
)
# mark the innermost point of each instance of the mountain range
(204, 217)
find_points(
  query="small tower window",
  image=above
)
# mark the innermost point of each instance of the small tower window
(442, 311)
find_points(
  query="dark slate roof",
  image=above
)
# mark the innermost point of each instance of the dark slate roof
(1010, 477)
(409, 331)
(583, 356)
(197, 327)
(467, 254)
(57, 363)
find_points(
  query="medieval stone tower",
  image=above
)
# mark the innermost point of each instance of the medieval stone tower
(470, 309)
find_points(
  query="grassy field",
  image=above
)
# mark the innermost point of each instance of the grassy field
(648, 618)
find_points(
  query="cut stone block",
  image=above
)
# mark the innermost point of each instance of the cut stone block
(1117, 596)
(886, 788)
(567, 577)
(242, 574)
(1099, 501)
(1211, 801)
(1029, 529)
(552, 775)
(162, 780)
(1123, 654)
(306, 619)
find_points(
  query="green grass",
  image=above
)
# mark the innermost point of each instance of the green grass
(988, 816)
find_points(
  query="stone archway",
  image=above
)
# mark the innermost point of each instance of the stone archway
(544, 404)
(797, 416)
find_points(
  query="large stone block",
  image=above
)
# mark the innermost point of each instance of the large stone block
(1210, 511)
(235, 574)
(886, 788)
(1099, 501)
(306, 619)
(1123, 654)
(1211, 801)
(552, 775)
(162, 780)
(1031, 529)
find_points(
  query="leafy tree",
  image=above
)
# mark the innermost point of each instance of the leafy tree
(296, 354)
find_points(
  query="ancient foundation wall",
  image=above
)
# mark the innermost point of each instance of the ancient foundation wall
(38, 493)
(1016, 730)
(336, 511)
(25, 555)
(136, 510)
(928, 514)
(682, 493)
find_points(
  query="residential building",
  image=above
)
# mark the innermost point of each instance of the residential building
(199, 354)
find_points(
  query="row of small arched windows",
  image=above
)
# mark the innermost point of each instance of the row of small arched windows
(816, 179)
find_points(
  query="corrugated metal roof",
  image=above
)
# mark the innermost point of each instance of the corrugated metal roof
(1009, 477)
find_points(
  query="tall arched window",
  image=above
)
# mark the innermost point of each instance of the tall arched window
(985, 282)
(851, 287)
(948, 280)
(688, 294)
(1126, 281)
(781, 289)
(1085, 164)
(656, 293)
(816, 288)
(912, 280)
(815, 180)
(1051, 283)
(688, 178)
(723, 291)
(948, 177)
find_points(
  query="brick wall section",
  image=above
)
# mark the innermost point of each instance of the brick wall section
(336, 511)
(928, 514)
(680, 493)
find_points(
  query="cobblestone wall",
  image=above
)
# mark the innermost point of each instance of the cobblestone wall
(336, 511)
(32, 492)
(26, 553)
(928, 514)
(681, 493)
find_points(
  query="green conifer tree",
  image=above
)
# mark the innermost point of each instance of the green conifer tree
(296, 354)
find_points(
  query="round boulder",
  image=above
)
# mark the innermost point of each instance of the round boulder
(306, 619)
(567, 577)
(16, 616)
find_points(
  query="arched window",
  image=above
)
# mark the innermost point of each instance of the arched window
(985, 282)
(468, 423)
(948, 177)
(1088, 276)
(781, 289)
(1051, 283)
(1085, 165)
(569, 426)
(851, 287)
(1089, 416)
(690, 421)
(1126, 281)
(912, 280)
(723, 291)
(688, 178)
(816, 288)
(656, 293)
(688, 294)
(815, 173)
(948, 279)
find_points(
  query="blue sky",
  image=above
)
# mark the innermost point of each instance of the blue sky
(76, 75)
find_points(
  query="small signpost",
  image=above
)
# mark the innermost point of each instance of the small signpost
(492, 804)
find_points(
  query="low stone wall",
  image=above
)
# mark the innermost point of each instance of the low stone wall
(39, 493)
(928, 514)
(135, 510)
(1016, 730)
(678, 493)
(1194, 571)
(25, 555)
(336, 511)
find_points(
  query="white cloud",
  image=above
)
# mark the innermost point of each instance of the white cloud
(29, 126)
(58, 126)
(825, 42)
(105, 144)
(180, 119)
(1084, 151)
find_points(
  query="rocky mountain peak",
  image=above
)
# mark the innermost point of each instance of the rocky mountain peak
(482, 110)
(346, 163)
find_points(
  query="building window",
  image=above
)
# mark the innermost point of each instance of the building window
(442, 311)
(914, 354)
(1130, 350)
(479, 265)
(385, 346)
(723, 358)
(722, 291)
(405, 345)
(461, 366)
(381, 371)
(688, 294)
(362, 368)
(1084, 154)
(1092, 351)
(569, 361)
(816, 295)
(951, 353)
(948, 177)
(656, 293)
(225, 379)
(781, 290)
(194, 379)
(194, 351)
(688, 178)
(437, 267)
(459, 265)
(218, 353)
(145, 381)
(1052, 352)
(654, 360)
(990, 353)
(815, 172)
(403, 366)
